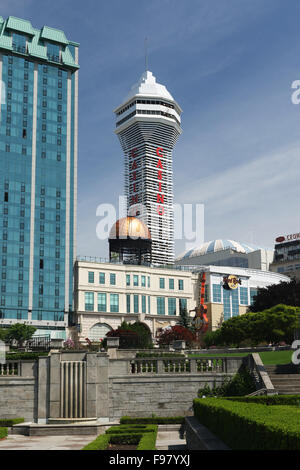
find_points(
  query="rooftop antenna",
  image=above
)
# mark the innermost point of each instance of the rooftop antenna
(146, 54)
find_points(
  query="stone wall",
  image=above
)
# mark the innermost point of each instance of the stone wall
(111, 388)
(162, 395)
(18, 395)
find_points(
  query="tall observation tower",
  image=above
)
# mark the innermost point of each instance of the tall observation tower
(148, 125)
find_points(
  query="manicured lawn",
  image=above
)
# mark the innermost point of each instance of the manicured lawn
(267, 357)
(276, 357)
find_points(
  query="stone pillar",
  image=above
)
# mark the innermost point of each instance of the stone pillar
(43, 389)
(112, 346)
(102, 410)
(91, 385)
(54, 387)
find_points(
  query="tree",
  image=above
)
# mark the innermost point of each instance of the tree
(184, 319)
(132, 335)
(287, 293)
(174, 333)
(20, 333)
(271, 325)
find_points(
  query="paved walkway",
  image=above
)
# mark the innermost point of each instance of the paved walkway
(18, 442)
(170, 440)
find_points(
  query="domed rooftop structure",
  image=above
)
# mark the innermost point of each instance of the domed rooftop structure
(217, 245)
(130, 242)
(147, 86)
(129, 227)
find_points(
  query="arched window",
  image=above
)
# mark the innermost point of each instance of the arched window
(98, 331)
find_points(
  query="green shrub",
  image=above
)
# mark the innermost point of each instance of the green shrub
(148, 441)
(3, 433)
(144, 436)
(241, 384)
(24, 356)
(10, 422)
(133, 429)
(100, 443)
(250, 426)
(159, 355)
(291, 400)
(152, 420)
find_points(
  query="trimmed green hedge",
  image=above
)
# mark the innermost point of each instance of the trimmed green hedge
(148, 441)
(100, 443)
(159, 355)
(3, 433)
(290, 400)
(11, 422)
(134, 429)
(24, 356)
(250, 426)
(154, 420)
(142, 436)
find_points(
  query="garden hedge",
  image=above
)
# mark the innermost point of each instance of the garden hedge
(152, 420)
(3, 433)
(23, 356)
(250, 426)
(134, 429)
(291, 400)
(10, 422)
(142, 436)
(100, 443)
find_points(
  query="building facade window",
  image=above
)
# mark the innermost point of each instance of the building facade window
(136, 304)
(127, 279)
(171, 284)
(143, 304)
(101, 278)
(102, 302)
(112, 279)
(128, 303)
(180, 284)
(114, 303)
(161, 283)
(244, 296)
(135, 280)
(89, 301)
(217, 294)
(253, 293)
(143, 281)
(171, 306)
(91, 277)
(161, 306)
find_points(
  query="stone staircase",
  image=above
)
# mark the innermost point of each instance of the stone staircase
(285, 378)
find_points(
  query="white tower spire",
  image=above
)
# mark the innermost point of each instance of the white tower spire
(148, 125)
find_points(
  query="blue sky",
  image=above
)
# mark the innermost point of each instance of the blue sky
(230, 65)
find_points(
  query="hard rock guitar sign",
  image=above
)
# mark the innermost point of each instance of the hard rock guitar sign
(200, 320)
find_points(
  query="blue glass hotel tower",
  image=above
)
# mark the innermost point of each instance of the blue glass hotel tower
(38, 175)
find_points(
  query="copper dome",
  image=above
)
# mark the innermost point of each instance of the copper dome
(129, 227)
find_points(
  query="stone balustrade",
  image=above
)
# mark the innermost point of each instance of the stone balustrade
(10, 368)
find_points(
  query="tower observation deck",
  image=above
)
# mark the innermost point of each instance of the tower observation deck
(148, 125)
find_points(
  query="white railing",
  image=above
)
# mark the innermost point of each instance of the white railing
(177, 365)
(10, 368)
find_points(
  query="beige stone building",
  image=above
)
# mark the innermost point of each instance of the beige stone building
(108, 293)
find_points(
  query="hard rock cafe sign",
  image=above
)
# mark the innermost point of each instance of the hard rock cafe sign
(231, 282)
(200, 320)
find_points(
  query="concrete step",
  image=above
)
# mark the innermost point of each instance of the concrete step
(285, 376)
